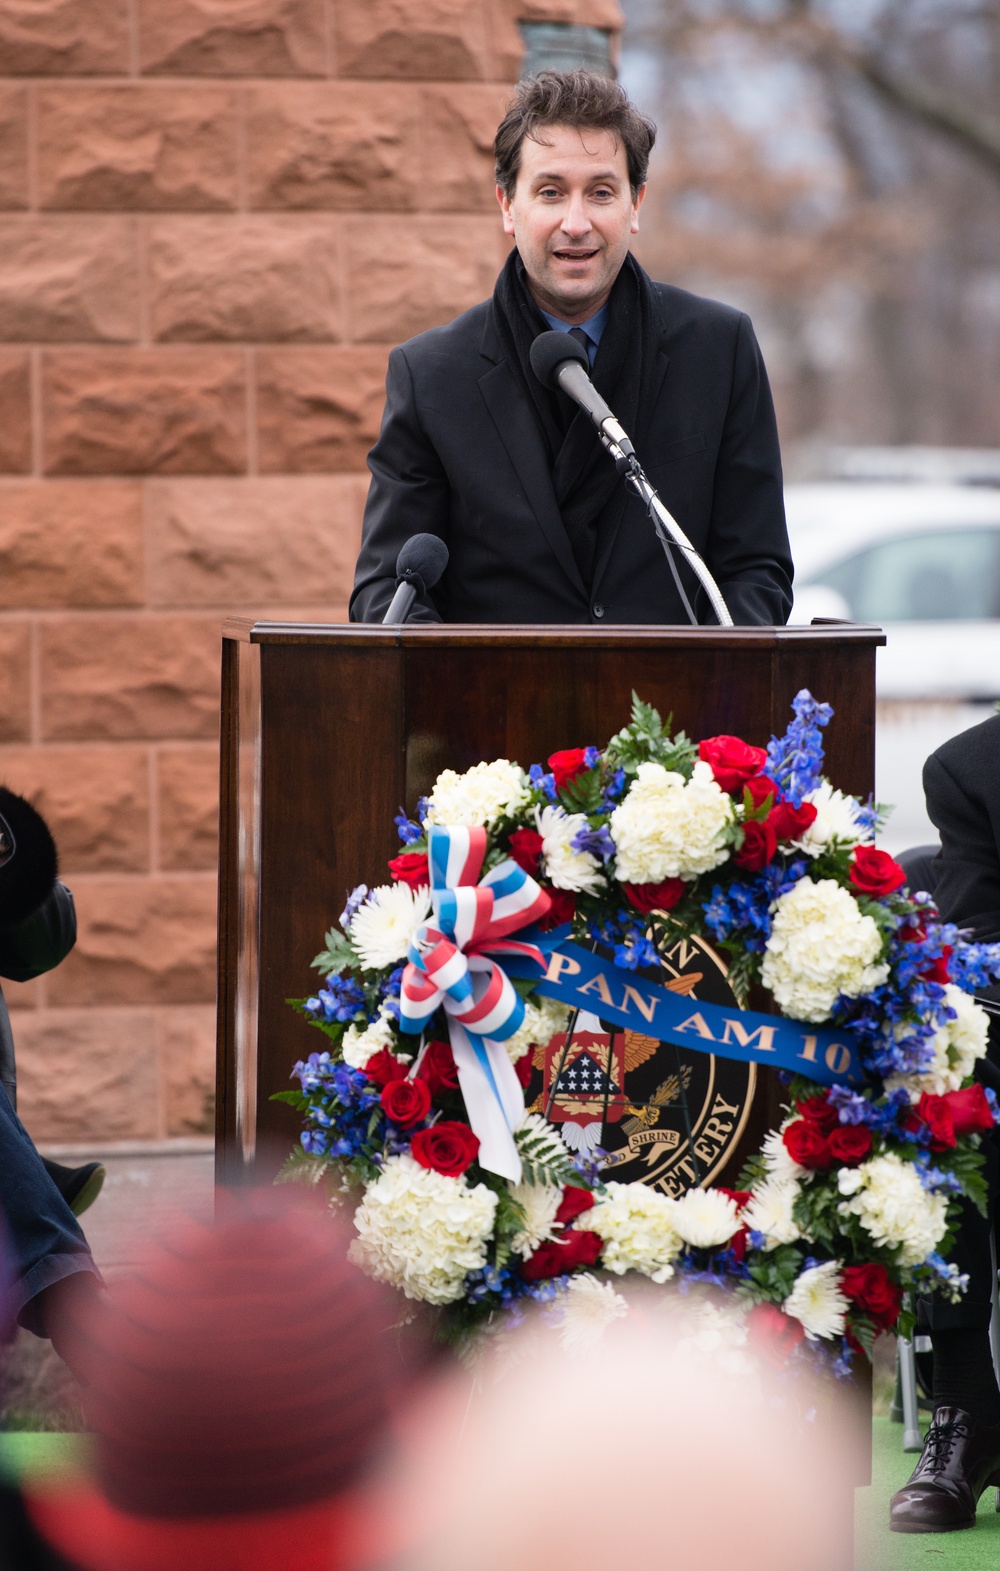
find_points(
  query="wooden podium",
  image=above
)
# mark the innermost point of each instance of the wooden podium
(328, 730)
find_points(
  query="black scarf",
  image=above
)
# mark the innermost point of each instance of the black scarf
(583, 474)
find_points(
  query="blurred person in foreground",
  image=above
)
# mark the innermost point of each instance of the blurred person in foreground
(241, 1386)
(51, 1263)
(664, 1443)
(961, 1454)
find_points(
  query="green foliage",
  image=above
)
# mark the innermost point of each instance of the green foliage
(338, 956)
(646, 739)
(583, 794)
(772, 1276)
(296, 1099)
(510, 1219)
(302, 1167)
(544, 1159)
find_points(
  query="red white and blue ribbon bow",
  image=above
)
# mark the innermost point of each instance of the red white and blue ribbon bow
(450, 966)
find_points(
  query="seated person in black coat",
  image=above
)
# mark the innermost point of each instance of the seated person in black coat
(539, 526)
(961, 1456)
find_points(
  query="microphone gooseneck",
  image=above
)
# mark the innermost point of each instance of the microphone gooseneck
(419, 567)
(560, 362)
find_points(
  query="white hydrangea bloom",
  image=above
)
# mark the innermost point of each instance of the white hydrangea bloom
(382, 928)
(769, 1211)
(540, 1202)
(567, 869)
(817, 1301)
(893, 1206)
(543, 1019)
(589, 1306)
(667, 827)
(636, 1223)
(358, 1046)
(836, 819)
(957, 1046)
(422, 1231)
(820, 945)
(705, 1218)
(483, 795)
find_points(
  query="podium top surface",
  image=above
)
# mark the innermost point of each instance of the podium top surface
(246, 630)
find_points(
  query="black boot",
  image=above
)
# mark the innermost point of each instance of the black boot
(960, 1458)
(79, 1186)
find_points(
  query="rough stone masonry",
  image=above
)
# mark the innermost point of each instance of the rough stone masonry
(218, 215)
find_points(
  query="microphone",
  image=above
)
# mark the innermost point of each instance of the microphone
(419, 565)
(559, 361)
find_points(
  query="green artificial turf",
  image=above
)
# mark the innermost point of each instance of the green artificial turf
(876, 1549)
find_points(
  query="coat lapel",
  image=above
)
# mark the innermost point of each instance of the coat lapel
(521, 437)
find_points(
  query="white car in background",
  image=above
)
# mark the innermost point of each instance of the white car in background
(923, 561)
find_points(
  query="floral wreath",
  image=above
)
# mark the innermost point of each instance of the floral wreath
(430, 1003)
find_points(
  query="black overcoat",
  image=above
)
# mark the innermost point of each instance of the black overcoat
(461, 455)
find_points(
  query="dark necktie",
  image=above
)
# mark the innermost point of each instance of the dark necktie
(582, 339)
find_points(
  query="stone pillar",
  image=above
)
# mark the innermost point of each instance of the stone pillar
(218, 217)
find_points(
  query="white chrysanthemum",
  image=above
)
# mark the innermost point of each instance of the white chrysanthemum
(543, 1019)
(636, 1223)
(484, 794)
(836, 819)
(817, 1301)
(705, 1218)
(567, 869)
(957, 1046)
(589, 1306)
(777, 1158)
(769, 1211)
(821, 945)
(382, 928)
(358, 1046)
(671, 828)
(894, 1207)
(421, 1231)
(539, 1202)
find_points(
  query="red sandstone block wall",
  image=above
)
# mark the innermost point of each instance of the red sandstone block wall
(216, 217)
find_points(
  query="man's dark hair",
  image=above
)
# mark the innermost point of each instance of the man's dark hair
(581, 99)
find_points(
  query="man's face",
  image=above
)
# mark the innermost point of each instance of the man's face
(571, 215)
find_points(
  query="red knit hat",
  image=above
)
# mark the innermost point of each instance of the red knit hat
(240, 1387)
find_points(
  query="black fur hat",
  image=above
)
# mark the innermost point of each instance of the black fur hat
(28, 862)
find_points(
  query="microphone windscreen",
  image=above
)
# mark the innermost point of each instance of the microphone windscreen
(551, 350)
(424, 557)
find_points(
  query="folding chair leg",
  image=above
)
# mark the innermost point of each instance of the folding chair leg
(908, 1381)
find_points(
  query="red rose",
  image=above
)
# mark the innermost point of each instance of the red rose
(383, 1066)
(573, 1203)
(563, 1254)
(411, 867)
(761, 787)
(875, 872)
(806, 1144)
(562, 908)
(567, 765)
(934, 1112)
(819, 1112)
(654, 897)
(437, 1068)
(526, 849)
(759, 845)
(850, 1144)
(448, 1147)
(912, 932)
(774, 1333)
(874, 1292)
(523, 1068)
(791, 823)
(738, 1242)
(939, 970)
(970, 1110)
(406, 1102)
(732, 761)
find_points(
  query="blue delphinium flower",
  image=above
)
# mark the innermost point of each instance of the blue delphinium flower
(355, 900)
(795, 760)
(543, 782)
(613, 790)
(597, 841)
(389, 991)
(341, 999)
(408, 831)
(341, 1098)
(591, 757)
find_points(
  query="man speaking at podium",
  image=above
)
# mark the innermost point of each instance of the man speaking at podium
(539, 525)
